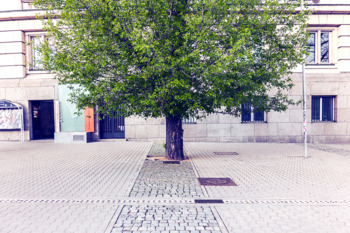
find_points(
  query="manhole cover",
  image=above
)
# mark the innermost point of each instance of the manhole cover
(208, 201)
(216, 182)
(226, 153)
(171, 162)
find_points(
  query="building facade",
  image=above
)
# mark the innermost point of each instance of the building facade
(48, 114)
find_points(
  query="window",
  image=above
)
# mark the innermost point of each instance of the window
(319, 47)
(189, 120)
(35, 56)
(249, 114)
(322, 108)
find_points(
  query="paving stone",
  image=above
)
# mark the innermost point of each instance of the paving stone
(273, 171)
(44, 218)
(166, 180)
(169, 225)
(50, 170)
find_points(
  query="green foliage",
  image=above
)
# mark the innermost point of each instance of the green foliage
(176, 57)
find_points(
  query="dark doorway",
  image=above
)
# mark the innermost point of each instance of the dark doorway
(43, 119)
(113, 127)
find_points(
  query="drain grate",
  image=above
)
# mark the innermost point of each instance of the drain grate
(171, 162)
(226, 153)
(216, 182)
(202, 201)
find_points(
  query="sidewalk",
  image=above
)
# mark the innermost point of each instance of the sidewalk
(109, 187)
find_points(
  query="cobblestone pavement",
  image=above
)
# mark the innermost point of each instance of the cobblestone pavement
(174, 219)
(55, 218)
(48, 170)
(280, 218)
(166, 180)
(273, 171)
(157, 149)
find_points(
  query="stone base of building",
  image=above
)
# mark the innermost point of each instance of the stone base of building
(267, 139)
(73, 137)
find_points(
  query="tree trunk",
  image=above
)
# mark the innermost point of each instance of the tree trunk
(174, 138)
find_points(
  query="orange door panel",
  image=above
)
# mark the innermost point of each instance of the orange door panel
(89, 120)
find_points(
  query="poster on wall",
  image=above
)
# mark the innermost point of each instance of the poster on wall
(10, 118)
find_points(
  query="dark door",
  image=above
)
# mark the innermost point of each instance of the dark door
(43, 119)
(113, 127)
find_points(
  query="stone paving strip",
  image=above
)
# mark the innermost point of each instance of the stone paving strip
(157, 149)
(166, 180)
(273, 171)
(337, 149)
(166, 219)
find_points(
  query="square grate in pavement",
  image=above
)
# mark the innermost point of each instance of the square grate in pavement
(226, 153)
(171, 162)
(202, 201)
(216, 182)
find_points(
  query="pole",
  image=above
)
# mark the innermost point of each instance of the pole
(304, 112)
(304, 100)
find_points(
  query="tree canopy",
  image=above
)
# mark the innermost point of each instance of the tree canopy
(175, 58)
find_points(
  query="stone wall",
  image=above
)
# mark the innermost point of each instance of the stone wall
(280, 127)
(22, 91)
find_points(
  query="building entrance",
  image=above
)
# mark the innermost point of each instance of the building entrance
(113, 127)
(43, 125)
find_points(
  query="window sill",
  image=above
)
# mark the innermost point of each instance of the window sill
(320, 64)
(38, 72)
(191, 123)
(312, 122)
(254, 122)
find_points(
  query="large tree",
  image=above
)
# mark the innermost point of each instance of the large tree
(175, 58)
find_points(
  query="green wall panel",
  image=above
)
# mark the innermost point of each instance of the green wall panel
(70, 122)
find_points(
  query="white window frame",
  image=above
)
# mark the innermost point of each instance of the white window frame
(332, 46)
(29, 51)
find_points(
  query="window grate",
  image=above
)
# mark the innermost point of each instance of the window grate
(249, 116)
(189, 120)
(246, 113)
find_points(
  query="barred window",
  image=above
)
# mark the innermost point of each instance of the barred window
(189, 120)
(249, 114)
(322, 108)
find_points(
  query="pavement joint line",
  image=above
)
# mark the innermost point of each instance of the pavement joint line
(132, 183)
(218, 218)
(204, 190)
(160, 201)
(114, 218)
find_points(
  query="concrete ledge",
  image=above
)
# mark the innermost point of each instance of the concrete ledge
(73, 137)
(112, 140)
